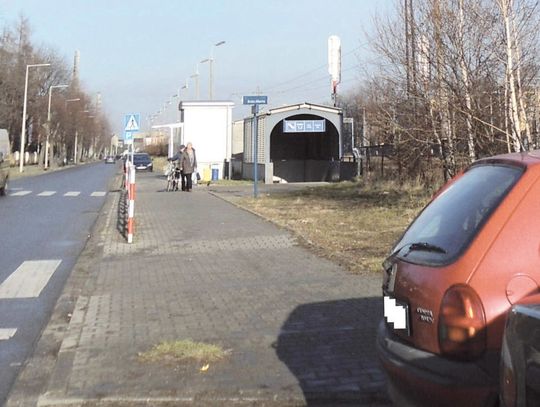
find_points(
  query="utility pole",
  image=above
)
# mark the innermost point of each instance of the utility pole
(46, 165)
(407, 47)
(412, 40)
(210, 61)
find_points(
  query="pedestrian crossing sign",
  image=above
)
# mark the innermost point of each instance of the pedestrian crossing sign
(131, 122)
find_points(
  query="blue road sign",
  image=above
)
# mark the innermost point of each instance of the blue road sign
(132, 122)
(255, 100)
(304, 126)
(128, 137)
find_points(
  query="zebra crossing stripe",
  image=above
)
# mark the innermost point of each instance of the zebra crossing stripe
(51, 193)
(29, 279)
(7, 333)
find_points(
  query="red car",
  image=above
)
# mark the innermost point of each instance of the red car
(472, 253)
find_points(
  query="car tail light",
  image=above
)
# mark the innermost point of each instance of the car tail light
(462, 323)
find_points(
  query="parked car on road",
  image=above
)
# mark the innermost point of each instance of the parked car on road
(4, 174)
(143, 161)
(520, 357)
(451, 279)
(4, 161)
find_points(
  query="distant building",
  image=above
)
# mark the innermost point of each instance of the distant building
(156, 138)
(139, 141)
(237, 138)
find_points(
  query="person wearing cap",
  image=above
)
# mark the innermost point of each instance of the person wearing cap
(177, 158)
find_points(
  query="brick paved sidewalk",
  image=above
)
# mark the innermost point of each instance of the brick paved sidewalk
(300, 329)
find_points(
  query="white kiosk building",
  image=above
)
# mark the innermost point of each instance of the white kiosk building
(208, 125)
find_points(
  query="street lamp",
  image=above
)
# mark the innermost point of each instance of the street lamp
(185, 86)
(210, 61)
(76, 130)
(49, 122)
(23, 130)
(89, 115)
(196, 77)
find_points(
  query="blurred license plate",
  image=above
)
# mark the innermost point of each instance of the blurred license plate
(396, 313)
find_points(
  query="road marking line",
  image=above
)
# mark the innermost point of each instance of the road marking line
(21, 193)
(47, 193)
(29, 279)
(7, 333)
(72, 193)
(98, 193)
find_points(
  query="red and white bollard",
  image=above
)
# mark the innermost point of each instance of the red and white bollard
(131, 204)
(126, 174)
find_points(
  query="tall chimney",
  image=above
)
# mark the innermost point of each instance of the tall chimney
(76, 63)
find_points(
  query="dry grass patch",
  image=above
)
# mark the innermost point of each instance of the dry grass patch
(354, 224)
(160, 164)
(183, 351)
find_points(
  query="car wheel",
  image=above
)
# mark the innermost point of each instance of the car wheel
(3, 190)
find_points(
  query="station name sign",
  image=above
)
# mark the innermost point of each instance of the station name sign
(255, 100)
(304, 126)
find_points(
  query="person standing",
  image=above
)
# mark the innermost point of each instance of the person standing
(188, 164)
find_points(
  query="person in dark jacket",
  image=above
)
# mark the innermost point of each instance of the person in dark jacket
(188, 164)
(176, 158)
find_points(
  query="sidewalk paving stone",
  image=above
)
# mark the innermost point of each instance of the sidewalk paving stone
(300, 329)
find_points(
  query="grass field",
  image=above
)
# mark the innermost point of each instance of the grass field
(353, 224)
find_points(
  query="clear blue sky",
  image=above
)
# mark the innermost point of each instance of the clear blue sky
(138, 52)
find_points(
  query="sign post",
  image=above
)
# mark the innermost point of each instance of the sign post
(255, 101)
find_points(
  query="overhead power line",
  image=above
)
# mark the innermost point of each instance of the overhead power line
(303, 75)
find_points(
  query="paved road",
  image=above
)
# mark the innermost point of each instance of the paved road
(45, 222)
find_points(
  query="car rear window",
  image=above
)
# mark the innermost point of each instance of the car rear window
(141, 157)
(446, 227)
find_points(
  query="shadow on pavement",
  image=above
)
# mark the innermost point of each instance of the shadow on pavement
(122, 214)
(330, 348)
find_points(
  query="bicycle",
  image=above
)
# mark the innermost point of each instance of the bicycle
(173, 177)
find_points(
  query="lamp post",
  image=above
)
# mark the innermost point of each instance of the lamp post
(178, 108)
(49, 122)
(196, 77)
(76, 130)
(210, 61)
(185, 86)
(89, 115)
(23, 130)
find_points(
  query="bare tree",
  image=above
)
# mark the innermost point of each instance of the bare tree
(454, 81)
(16, 52)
